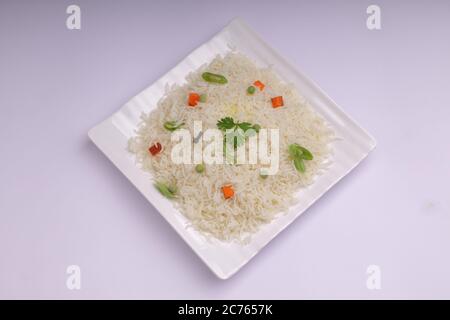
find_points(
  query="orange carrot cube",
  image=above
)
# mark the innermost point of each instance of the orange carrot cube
(228, 191)
(193, 99)
(277, 102)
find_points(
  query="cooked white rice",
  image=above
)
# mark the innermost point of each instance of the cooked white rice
(256, 201)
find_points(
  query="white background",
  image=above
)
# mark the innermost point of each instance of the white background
(62, 202)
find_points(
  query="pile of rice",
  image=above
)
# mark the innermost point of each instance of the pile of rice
(256, 201)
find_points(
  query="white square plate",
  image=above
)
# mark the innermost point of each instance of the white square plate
(224, 259)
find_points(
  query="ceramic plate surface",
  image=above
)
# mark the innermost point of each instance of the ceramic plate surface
(224, 259)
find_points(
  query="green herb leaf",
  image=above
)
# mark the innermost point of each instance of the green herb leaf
(244, 126)
(237, 132)
(226, 123)
(256, 127)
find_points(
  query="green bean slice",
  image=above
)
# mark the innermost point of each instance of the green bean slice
(166, 191)
(172, 125)
(214, 78)
(299, 165)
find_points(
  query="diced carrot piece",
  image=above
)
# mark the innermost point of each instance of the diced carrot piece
(194, 98)
(228, 191)
(277, 102)
(155, 149)
(259, 84)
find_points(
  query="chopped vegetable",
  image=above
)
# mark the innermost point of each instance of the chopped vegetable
(277, 102)
(172, 125)
(229, 123)
(193, 100)
(245, 126)
(155, 148)
(214, 78)
(301, 151)
(298, 154)
(307, 155)
(249, 129)
(226, 123)
(200, 168)
(299, 164)
(259, 84)
(237, 136)
(228, 191)
(251, 90)
(165, 190)
(203, 97)
(295, 151)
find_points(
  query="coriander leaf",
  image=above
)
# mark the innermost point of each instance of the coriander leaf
(236, 132)
(256, 127)
(244, 126)
(226, 123)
